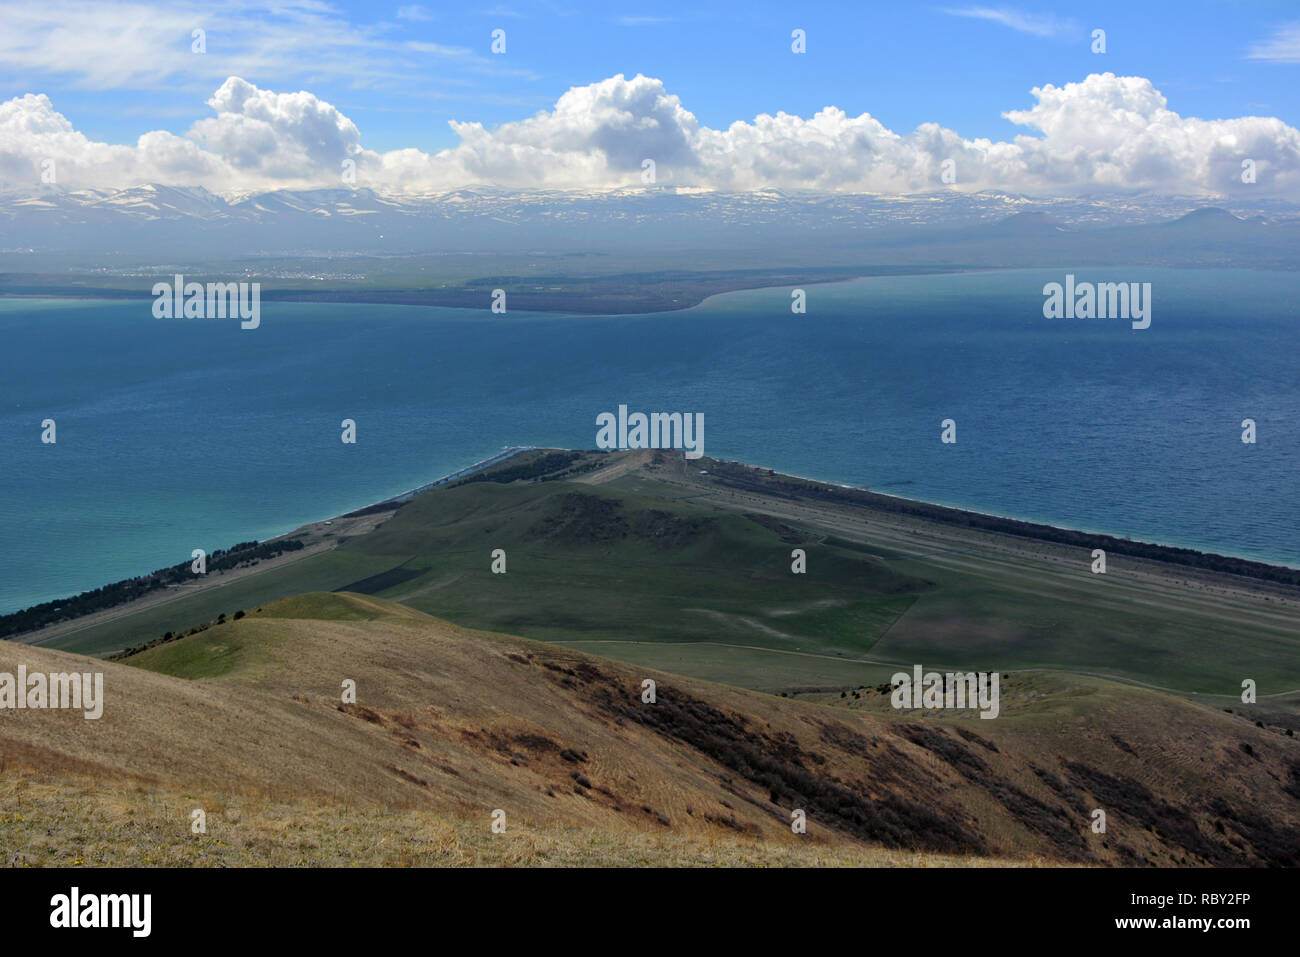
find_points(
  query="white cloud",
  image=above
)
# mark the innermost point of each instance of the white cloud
(276, 136)
(437, 49)
(1036, 24)
(414, 12)
(1282, 47)
(32, 132)
(1105, 132)
(139, 44)
(1119, 132)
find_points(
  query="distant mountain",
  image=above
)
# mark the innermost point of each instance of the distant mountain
(981, 228)
(1029, 223)
(1210, 215)
(1211, 221)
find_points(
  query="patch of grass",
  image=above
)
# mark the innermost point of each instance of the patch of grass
(325, 571)
(221, 650)
(49, 825)
(587, 564)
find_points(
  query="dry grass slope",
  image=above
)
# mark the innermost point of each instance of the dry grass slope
(245, 721)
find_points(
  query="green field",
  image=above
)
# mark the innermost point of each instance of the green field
(589, 564)
(659, 575)
(324, 572)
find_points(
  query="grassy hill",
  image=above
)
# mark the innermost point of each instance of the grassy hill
(584, 562)
(651, 560)
(245, 721)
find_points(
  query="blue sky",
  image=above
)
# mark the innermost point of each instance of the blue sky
(904, 63)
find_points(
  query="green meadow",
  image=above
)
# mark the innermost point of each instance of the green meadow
(639, 571)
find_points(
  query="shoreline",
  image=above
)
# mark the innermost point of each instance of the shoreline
(1022, 520)
(904, 501)
(479, 466)
(1255, 570)
(561, 303)
(310, 529)
(1173, 556)
(710, 283)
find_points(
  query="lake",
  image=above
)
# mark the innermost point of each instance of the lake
(182, 434)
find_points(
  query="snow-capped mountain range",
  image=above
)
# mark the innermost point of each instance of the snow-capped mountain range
(169, 218)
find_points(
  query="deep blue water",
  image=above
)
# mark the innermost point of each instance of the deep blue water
(176, 434)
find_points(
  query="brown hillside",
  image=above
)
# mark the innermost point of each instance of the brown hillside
(451, 724)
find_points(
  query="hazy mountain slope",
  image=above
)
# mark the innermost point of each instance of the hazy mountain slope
(172, 222)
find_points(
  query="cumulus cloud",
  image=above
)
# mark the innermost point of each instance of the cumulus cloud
(1104, 132)
(276, 136)
(1119, 132)
(33, 134)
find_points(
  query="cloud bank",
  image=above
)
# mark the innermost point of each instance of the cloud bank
(1103, 133)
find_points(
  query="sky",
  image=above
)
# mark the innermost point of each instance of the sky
(396, 86)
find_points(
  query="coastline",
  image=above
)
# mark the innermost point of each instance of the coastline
(1027, 521)
(1179, 556)
(462, 473)
(318, 529)
(321, 535)
(903, 503)
(595, 295)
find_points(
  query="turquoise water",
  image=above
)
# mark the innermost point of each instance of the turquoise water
(174, 434)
